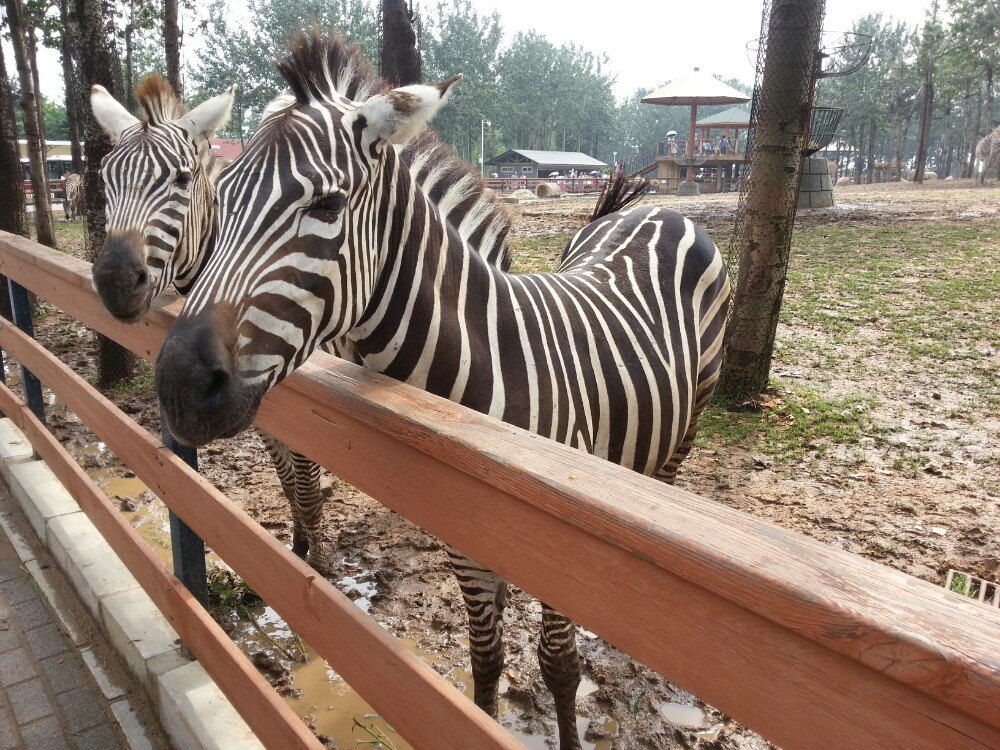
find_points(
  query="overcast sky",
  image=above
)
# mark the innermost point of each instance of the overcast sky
(647, 41)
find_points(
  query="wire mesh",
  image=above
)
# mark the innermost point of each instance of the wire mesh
(766, 183)
(822, 128)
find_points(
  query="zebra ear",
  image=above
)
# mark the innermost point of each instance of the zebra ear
(110, 115)
(398, 115)
(209, 116)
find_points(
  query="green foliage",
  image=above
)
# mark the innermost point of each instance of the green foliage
(227, 592)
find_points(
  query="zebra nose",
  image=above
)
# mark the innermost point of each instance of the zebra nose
(121, 277)
(195, 380)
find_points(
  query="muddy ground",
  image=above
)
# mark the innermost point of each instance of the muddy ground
(879, 436)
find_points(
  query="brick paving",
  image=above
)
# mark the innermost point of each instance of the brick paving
(48, 698)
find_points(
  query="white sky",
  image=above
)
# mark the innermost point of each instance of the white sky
(647, 41)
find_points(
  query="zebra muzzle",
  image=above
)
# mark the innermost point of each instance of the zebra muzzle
(121, 278)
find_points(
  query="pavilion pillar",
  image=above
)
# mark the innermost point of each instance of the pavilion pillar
(689, 186)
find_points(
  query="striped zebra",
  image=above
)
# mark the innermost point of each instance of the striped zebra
(323, 234)
(72, 196)
(160, 183)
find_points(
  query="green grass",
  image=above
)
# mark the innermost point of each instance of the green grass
(140, 382)
(538, 254)
(788, 422)
(928, 290)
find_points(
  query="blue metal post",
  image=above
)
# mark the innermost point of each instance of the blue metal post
(187, 547)
(20, 304)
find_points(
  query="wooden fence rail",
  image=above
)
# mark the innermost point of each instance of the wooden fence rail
(807, 644)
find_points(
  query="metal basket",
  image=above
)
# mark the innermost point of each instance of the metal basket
(822, 128)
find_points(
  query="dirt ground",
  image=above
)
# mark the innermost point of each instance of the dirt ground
(879, 435)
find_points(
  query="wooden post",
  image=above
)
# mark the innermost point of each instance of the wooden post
(689, 172)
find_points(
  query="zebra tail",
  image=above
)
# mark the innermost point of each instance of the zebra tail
(620, 193)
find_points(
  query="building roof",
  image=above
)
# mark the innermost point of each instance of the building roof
(555, 158)
(734, 116)
(698, 87)
(226, 148)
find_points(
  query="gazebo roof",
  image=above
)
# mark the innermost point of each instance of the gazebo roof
(697, 88)
(732, 117)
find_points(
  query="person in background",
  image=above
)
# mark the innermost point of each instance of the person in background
(724, 144)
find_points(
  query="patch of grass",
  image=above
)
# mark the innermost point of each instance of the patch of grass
(69, 236)
(787, 422)
(923, 289)
(227, 592)
(538, 254)
(141, 382)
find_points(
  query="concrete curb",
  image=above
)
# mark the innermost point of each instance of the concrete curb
(191, 707)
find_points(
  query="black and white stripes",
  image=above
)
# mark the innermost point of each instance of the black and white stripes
(324, 233)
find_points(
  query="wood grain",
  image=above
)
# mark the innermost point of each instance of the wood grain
(265, 712)
(807, 644)
(397, 683)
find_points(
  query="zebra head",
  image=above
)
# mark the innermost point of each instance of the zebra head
(158, 181)
(296, 248)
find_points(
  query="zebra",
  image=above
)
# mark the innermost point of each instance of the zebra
(159, 179)
(323, 234)
(72, 196)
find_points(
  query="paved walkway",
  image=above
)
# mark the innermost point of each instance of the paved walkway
(49, 699)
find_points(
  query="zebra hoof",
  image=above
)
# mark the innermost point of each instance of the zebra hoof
(300, 546)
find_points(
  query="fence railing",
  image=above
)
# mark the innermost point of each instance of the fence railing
(571, 185)
(804, 643)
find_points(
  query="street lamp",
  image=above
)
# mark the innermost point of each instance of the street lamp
(482, 145)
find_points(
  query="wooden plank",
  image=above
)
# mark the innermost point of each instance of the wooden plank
(405, 690)
(761, 623)
(270, 718)
(858, 654)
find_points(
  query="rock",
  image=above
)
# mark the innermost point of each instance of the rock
(844, 181)
(524, 195)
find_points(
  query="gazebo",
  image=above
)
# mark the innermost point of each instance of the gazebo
(733, 119)
(696, 89)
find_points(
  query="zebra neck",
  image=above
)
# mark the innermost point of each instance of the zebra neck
(192, 248)
(428, 275)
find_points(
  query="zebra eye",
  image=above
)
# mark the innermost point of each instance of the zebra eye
(329, 204)
(183, 179)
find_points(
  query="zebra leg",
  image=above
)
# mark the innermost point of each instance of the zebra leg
(309, 507)
(560, 663)
(485, 595)
(281, 457)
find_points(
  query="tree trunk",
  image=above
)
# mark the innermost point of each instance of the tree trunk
(966, 127)
(871, 150)
(969, 169)
(32, 129)
(69, 62)
(764, 223)
(989, 96)
(859, 161)
(32, 45)
(99, 65)
(400, 57)
(12, 214)
(925, 125)
(172, 45)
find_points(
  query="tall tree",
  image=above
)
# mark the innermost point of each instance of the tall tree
(172, 45)
(765, 222)
(30, 112)
(12, 214)
(399, 55)
(69, 49)
(928, 53)
(99, 65)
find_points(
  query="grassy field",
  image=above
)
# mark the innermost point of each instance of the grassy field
(918, 294)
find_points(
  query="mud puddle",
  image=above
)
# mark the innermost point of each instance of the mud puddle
(308, 684)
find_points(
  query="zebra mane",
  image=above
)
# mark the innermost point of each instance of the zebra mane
(158, 101)
(329, 68)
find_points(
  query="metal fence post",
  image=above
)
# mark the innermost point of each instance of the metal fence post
(20, 304)
(187, 547)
